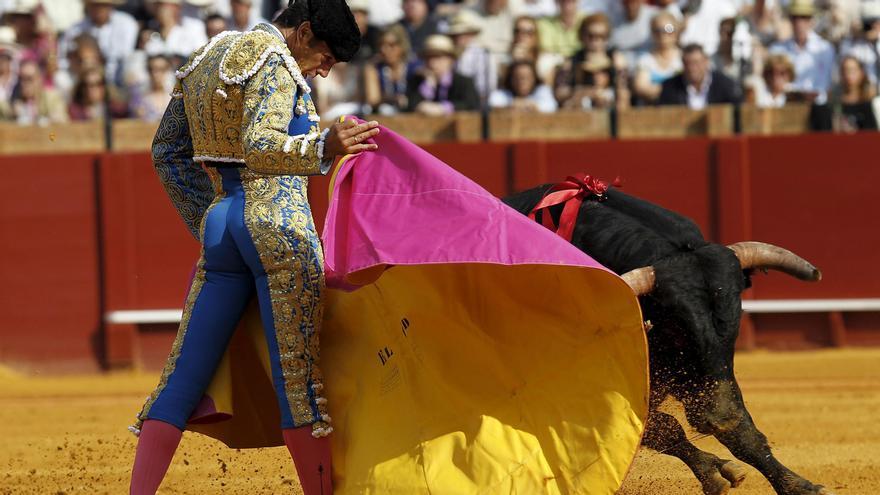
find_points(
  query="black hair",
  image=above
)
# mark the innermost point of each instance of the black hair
(508, 78)
(692, 48)
(214, 17)
(331, 21)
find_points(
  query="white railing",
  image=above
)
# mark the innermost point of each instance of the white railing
(749, 306)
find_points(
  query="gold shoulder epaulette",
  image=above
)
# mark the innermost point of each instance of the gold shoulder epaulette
(247, 54)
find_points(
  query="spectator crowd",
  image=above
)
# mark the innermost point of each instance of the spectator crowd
(69, 60)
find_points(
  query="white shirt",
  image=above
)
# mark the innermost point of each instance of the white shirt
(703, 26)
(117, 39)
(764, 99)
(635, 36)
(698, 97)
(542, 97)
(813, 64)
(534, 8)
(183, 39)
(480, 65)
(385, 12)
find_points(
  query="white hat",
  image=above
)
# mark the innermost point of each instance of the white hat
(362, 5)
(438, 44)
(870, 10)
(7, 41)
(465, 22)
(23, 7)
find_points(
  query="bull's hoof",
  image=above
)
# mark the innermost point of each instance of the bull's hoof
(733, 472)
(715, 484)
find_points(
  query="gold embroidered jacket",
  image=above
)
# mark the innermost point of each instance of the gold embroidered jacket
(233, 102)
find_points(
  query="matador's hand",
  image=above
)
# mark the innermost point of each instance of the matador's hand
(348, 137)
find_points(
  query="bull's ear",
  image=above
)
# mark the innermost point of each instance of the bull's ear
(747, 278)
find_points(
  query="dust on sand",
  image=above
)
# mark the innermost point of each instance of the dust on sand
(67, 435)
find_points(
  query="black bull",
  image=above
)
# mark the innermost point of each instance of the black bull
(690, 291)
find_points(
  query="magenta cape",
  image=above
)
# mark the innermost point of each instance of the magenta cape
(465, 348)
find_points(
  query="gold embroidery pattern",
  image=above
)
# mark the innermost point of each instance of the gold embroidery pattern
(186, 183)
(215, 121)
(268, 109)
(194, 291)
(279, 220)
(252, 71)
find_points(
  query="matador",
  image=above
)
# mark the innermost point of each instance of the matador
(234, 151)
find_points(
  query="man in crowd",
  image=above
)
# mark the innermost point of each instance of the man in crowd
(369, 34)
(243, 16)
(559, 34)
(813, 57)
(497, 21)
(179, 35)
(115, 31)
(697, 86)
(474, 60)
(9, 51)
(418, 22)
(633, 34)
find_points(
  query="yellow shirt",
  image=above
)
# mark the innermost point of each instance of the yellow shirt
(556, 38)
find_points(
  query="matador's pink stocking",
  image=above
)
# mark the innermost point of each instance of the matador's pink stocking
(156, 445)
(312, 459)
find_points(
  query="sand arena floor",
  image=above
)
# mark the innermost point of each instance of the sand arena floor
(66, 435)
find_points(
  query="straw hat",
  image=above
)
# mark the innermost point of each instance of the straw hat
(438, 44)
(359, 5)
(22, 7)
(465, 22)
(801, 8)
(7, 41)
(870, 10)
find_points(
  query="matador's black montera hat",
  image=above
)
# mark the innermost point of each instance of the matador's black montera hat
(332, 22)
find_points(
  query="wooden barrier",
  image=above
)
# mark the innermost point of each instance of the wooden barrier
(675, 122)
(462, 127)
(561, 126)
(133, 135)
(793, 118)
(75, 137)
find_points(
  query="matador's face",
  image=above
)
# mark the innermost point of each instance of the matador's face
(313, 56)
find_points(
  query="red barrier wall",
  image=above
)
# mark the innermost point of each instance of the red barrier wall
(671, 173)
(813, 194)
(49, 296)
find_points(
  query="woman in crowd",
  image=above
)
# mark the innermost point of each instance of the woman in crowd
(777, 76)
(856, 96)
(595, 77)
(32, 102)
(526, 45)
(149, 102)
(91, 97)
(522, 91)
(662, 62)
(385, 81)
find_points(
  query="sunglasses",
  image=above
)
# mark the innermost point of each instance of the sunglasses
(524, 31)
(597, 35)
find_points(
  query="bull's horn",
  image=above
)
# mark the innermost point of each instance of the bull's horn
(640, 280)
(767, 256)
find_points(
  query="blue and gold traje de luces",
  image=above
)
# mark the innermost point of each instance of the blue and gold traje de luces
(232, 107)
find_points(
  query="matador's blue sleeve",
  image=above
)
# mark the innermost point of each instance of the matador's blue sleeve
(187, 184)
